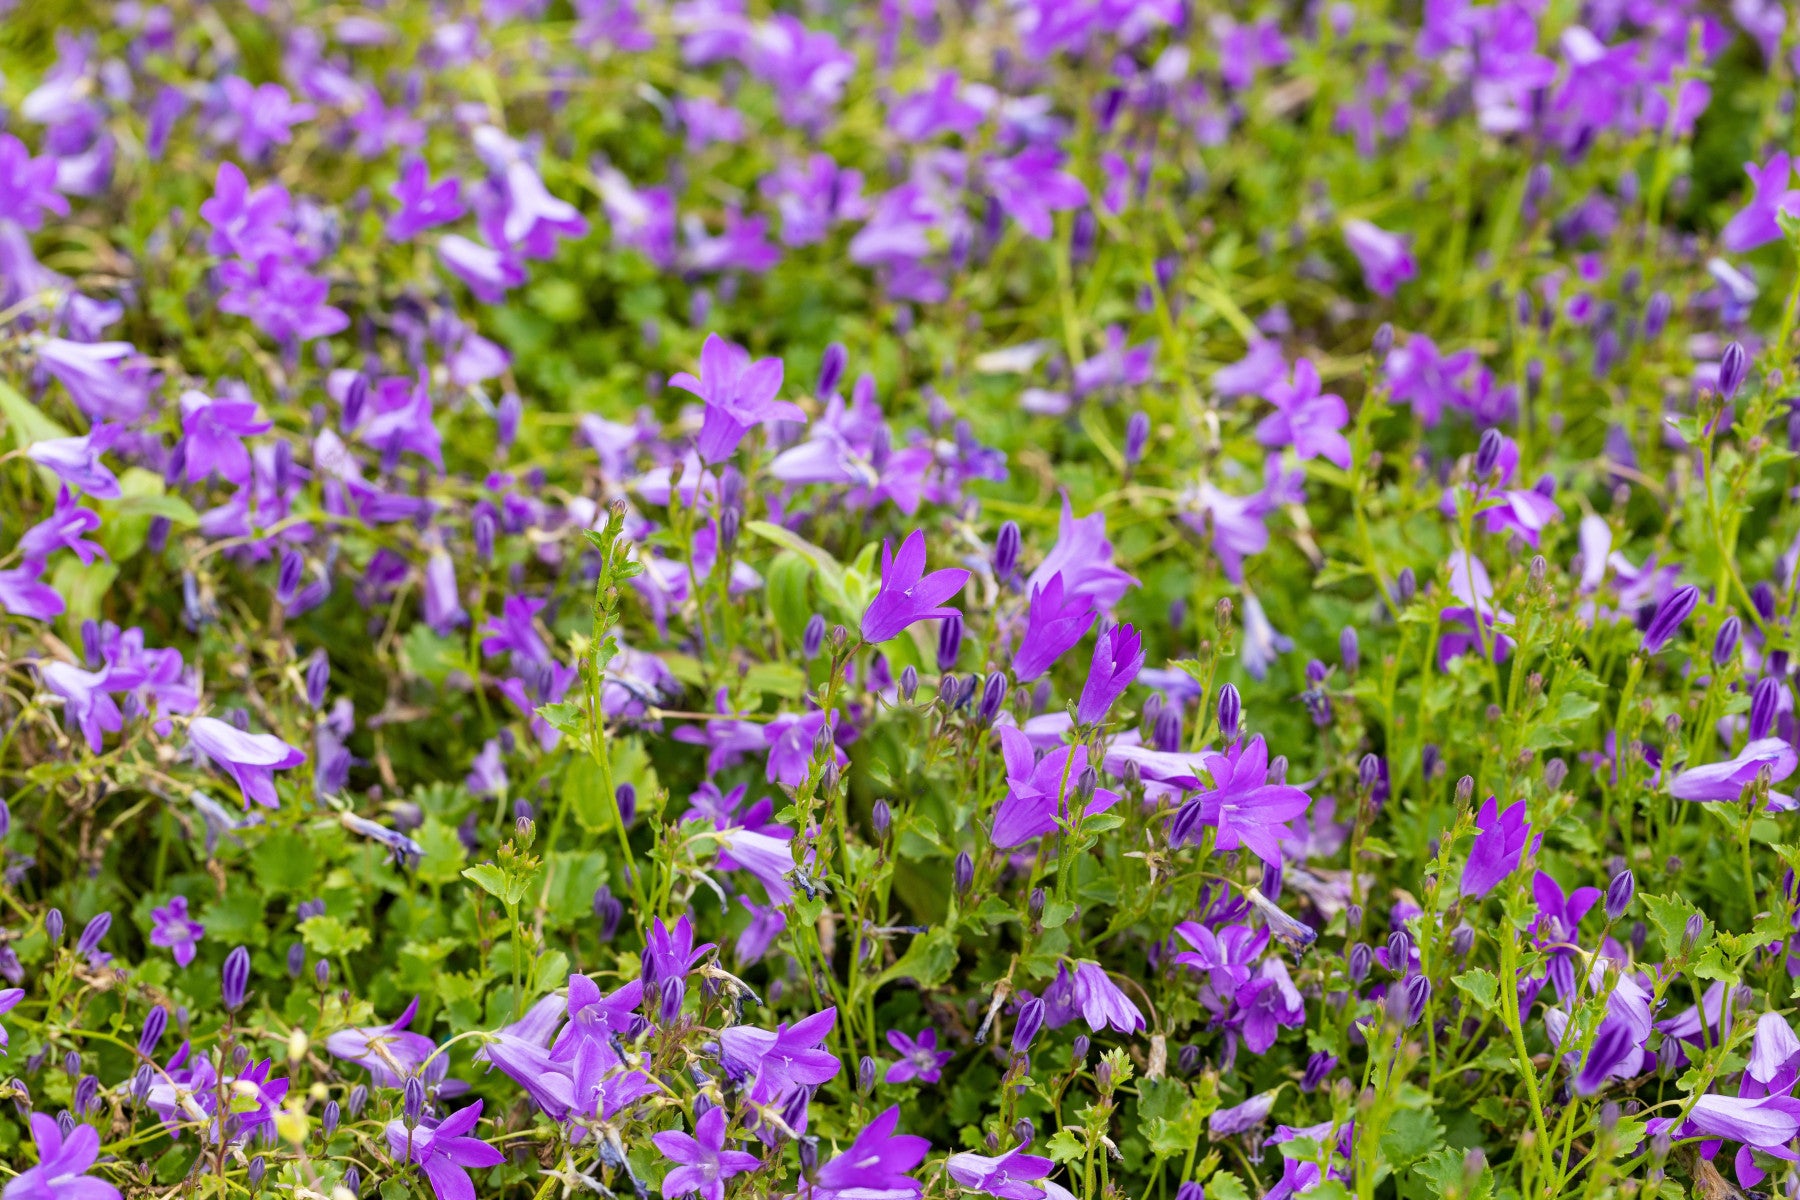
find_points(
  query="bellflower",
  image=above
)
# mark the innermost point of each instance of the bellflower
(1242, 804)
(213, 433)
(1011, 1176)
(86, 705)
(1084, 558)
(1039, 794)
(1305, 418)
(873, 1167)
(703, 1164)
(64, 529)
(103, 378)
(920, 1058)
(1727, 780)
(1118, 657)
(445, 1151)
(1386, 261)
(76, 461)
(423, 204)
(62, 1166)
(908, 595)
(27, 185)
(175, 931)
(1498, 847)
(249, 758)
(739, 394)
(1755, 224)
(787, 1056)
(1054, 622)
(1100, 1002)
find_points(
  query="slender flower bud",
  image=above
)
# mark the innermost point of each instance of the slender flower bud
(1006, 550)
(674, 991)
(1318, 1067)
(1555, 772)
(234, 978)
(609, 911)
(253, 1174)
(1656, 315)
(1692, 932)
(1137, 436)
(1416, 993)
(1079, 1051)
(909, 682)
(1487, 454)
(1669, 617)
(1165, 735)
(813, 640)
(1734, 366)
(1399, 948)
(1025, 1028)
(865, 1075)
(1368, 771)
(950, 636)
(1231, 711)
(359, 1096)
(329, 1118)
(1725, 644)
(881, 817)
(993, 696)
(1024, 1131)
(1619, 894)
(53, 926)
(413, 1100)
(322, 973)
(1406, 586)
(1360, 960)
(1188, 1061)
(1349, 650)
(1465, 791)
(831, 368)
(1462, 940)
(1383, 342)
(296, 960)
(1765, 700)
(92, 934)
(483, 529)
(626, 798)
(964, 874)
(155, 1021)
(318, 677)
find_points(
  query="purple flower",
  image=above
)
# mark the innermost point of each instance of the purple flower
(9, 998)
(27, 185)
(1039, 794)
(423, 204)
(1263, 643)
(703, 1162)
(445, 1151)
(175, 931)
(1084, 558)
(86, 706)
(1727, 780)
(739, 394)
(789, 1055)
(643, 221)
(920, 1058)
(76, 461)
(443, 606)
(1670, 615)
(1118, 657)
(259, 116)
(281, 298)
(103, 378)
(535, 218)
(872, 1167)
(1053, 624)
(766, 856)
(391, 1054)
(907, 594)
(1012, 1176)
(790, 739)
(1242, 804)
(1385, 259)
(61, 1172)
(250, 224)
(1306, 419)
(1241, 1118)
(1427, 380)
(514, 632)
(1118, 365)
(1755, 224)
(490, 273)
(1497, 849)
(64, 529)
(1101, 1004)
(249, 758)
(213, 433)
(1261, 368)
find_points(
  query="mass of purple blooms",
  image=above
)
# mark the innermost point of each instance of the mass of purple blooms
(1039, 599)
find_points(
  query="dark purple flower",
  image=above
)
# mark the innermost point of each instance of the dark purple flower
(1499, 845)
(1670, 614)
(1053, 624)
(907, 594)
(1118, 657)
(175, 931)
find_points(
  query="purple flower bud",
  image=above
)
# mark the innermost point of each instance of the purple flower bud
(1725, 644)
(1006, 550)
(1316, 672)
(993, 695)
(92, 933)
(296, 960)
(1278, 767)
(865, 1075)
(483, 527)
(831, 368)
(1399, 948)
(813, 640)
(1188, 1060)
(1406, 586)
(288, 578)
(1025, 1028)
(1537, 185)
(1416, 993)
(909, 682)
(1487, 454)
(1137, 436)
(1024, 1131)
(1669, 617)
(140, 1084)
(1272, 877)
(507, 415)
(318, 678)
(1383, 343)
(355, 396)
(881, 818)
(950, 635)
(1079, 1051)
(283, 472)
(53, 926)
(809, 1153)
(359, 1096)
(1765, 700)
(91, 649)
(328, 1119)
(964, 873)
(1359, 961)
(1317, 1068)
(1190, 1191)
(72, 1064)
(1083, 232)
(5, 820)
(1165, 735)
(1231, 711)
(155, 1021)
(234, 978)
(674, 991)
(253, 1174)
(1763, 597)
(1368, 772)
(1462, 940)
(626, 798)
(1733, 367)
(87, 1094)
(352, 1178)
(609, 911)
(1692, 933)
(1619, 893)
(1349, 650)
(413, 1101)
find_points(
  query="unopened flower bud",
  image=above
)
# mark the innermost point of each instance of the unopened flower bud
(950, 636)
(831, 368)
(909, 682)
(964, 873)
(1006, 550)
(234, 978)
(1765, 700)
(1487, 453)
(1137, 436)
(865, 1075)
(1349, 650)
(1188, 1061)
(1734, 366)
(1406, 586)
(881, 819)
(413, 1100)
(1359, 961)
(1025, 1028)
(1725, 644)
(1231, 711)
(1619, 894)
(1465, 791)
(813, 640)
(53, 926)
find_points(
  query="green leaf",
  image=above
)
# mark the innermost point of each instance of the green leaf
(444, 853)
(1480, 985)
(284, 862)
(1057, 914)
(928, 961)
(26, 421)
(1064, 1147)
(1446, 1176)
(425, 655)
(327, 936)
(1226, 1186)
(1409, 1136)
(786, 580)
(584, 792)
(1669, 915)
(488, 878)
(83, 588)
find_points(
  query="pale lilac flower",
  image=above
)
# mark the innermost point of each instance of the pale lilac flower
(102, 377)
(1101, 1004)
(739, 394)
(62, 1166)
(1118, 657)
(704, 1164)
(489, 273)
(27, 185)
(249, 758)
(423, 204)
(1031, 185)
(175, 931)
(1012, 1176)
(1727, 780)
(76, 461)
(1084, 558)
(213, 433)
(1305, 418)
(1385, 259)
(445, 1151)
(66, 528)
(22, 595)
(920, 1058)
(86, 705)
